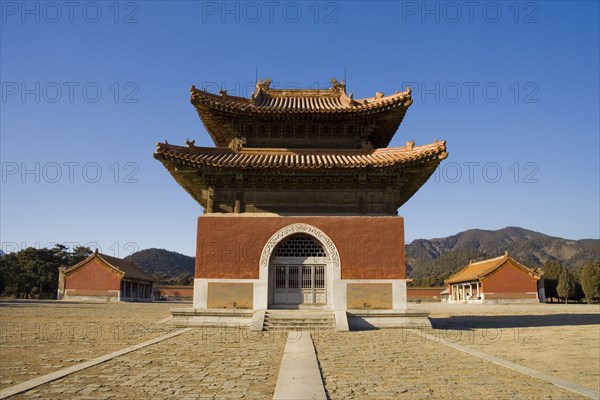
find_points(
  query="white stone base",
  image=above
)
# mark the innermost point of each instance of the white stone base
(381, 319)
(215, 319)
(336, 291)
(91, 298)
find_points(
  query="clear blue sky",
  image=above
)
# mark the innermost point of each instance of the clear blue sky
(90, 88)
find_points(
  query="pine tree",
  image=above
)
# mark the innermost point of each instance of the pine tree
(552, 271)
(590, 281)
(2, 283)
(567, 285)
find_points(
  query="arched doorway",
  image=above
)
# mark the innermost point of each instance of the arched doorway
(297, 273)
(300, 266)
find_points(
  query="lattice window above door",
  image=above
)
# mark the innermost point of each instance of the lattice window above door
(299, 246)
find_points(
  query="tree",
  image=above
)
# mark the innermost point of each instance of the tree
(160, 278)
(41, 268)
(183, 279)
(79, 254)
(590, 281)
(552, 271)
(34, 271)
(567, 285)
(2, 283)
(9, 269)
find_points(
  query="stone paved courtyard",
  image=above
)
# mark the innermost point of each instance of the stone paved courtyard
(388, 365)
(560, 340)
(563, 341)
(197, 364)
(37, 338)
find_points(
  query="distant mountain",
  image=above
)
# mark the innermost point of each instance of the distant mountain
(163, 261)
(429, 262)
(2, 253)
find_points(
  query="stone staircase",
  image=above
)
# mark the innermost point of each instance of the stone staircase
(299, 320)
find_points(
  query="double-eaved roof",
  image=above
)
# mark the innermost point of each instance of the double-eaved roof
(481, 269)
(320, 150)
(127, 269)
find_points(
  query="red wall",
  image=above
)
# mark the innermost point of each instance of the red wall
(509, 279)
(369, 247)
(93, 276)
(176, 291)
(426, 293)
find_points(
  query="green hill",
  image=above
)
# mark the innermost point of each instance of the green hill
(163, 262)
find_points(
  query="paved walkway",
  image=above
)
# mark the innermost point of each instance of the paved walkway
(299, 375)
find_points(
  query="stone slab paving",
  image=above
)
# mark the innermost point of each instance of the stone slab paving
(201, 363)
(35, 382)
(398, 363)
(576, 388)
(37, 338)
(299, 375)
(562, 340)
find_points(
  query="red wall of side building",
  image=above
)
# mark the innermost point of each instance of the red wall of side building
(369, 247)
(509, 280)
(92, 277)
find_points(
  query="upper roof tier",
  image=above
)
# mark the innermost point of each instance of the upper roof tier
(300, 118)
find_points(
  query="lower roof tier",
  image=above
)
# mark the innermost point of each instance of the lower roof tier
(362, 181)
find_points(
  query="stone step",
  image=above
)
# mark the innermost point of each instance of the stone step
(300, 323)
(292, 316)
(273, 323)
(288, 329)
(299, 320)
(302, 327)
(311, 320)
(289, 311)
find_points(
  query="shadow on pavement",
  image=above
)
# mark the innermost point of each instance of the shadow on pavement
(469, 322)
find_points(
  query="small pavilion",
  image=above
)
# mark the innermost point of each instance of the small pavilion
(106, 278)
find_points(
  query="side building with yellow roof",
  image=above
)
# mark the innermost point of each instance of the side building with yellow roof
(496, 280)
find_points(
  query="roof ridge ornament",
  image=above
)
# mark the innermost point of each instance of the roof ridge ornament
(237, 144)
(263, 85)
(410, 145)
(351, 100)
(338, 87)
